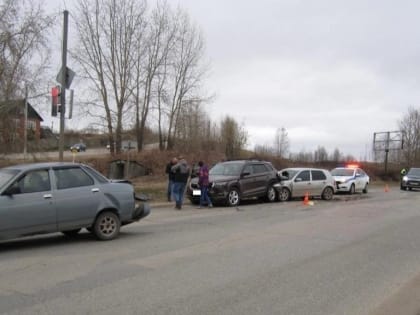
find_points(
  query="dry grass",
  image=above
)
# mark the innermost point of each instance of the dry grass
(153, 186)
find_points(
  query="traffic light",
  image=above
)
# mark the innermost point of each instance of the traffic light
(55, 100)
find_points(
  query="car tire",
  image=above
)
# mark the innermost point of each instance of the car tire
(233, 197)
(271, 195)
(327, 194)
(107, 226)
(285, 194)
(365, 190)
(71, 233)
(352, 189)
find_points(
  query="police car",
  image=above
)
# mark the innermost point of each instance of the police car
(350, 179)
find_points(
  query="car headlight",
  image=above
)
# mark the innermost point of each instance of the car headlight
(405, 178)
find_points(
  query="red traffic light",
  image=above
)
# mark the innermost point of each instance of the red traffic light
(55, 91)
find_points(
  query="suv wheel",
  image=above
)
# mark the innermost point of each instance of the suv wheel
(328, 193)
(107, 226)
(284, 194)
(233, 197)
(271, 194)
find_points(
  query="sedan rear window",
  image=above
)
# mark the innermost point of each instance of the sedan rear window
(318, 175)
(72, 177)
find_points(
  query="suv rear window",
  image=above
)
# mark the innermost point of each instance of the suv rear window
(260, 168)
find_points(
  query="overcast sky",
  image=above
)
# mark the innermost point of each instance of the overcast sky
(331, 72)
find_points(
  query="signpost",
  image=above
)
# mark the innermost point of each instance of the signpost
(386, 141)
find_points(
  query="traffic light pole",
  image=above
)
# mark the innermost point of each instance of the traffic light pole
(63, 86)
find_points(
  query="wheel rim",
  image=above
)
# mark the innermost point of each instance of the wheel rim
(271, 194)
(233, 197)
(108, 225)
(352, 190)
(284, 196)
(328, 193)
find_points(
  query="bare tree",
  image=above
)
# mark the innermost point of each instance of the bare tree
(410, 127)
(281, 142)
(320, 154)
(186, 72)
(108, 37)
(158, 43)
(233, 137)
(24, 47)
(24, 50)
(336, 156)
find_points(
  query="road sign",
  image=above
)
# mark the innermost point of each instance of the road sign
(69, 77)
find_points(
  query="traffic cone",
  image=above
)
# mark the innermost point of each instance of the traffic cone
(386, 188)
(306, 199)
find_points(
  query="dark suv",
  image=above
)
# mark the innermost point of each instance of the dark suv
(232, 181)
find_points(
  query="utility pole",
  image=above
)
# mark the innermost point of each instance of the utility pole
(25, 124)
(63, 85)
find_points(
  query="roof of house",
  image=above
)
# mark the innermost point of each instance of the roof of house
(17, 108)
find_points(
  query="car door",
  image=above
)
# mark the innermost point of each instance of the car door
(29, 207)
(247, 181)
(301, 183)
(262, 177)
(78, 197)
(359, 179)
(319, 181)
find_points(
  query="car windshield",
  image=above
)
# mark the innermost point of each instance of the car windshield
(414, 172)
(342, 172)
(227, 169)
(289, 172)
(6, 175)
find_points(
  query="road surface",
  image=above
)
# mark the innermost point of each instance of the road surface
(353, 255)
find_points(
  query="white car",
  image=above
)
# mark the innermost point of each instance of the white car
(350, 179)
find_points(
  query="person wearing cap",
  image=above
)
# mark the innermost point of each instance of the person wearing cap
(181, 172)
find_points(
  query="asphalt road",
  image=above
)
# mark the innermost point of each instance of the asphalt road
(353, 255)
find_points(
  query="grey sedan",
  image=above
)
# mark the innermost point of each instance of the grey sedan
(298, 182)
(64, 197)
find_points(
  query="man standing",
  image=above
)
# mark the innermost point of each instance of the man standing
(203, 182)
(181, 172)
(170, 177)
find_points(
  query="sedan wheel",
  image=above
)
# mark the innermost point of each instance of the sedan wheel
(233, 198)
(107, 226)
(352, 189)
(284, 194)
(271, 194)
(328, 193)
(365, 190)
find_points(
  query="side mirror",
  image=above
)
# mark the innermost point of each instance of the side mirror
(298, 179)
(245, 174)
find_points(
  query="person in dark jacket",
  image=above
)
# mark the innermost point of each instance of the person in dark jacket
(203, 182)
(170, 178)
(181, 172)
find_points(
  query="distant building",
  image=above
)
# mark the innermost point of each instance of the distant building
(12, 121)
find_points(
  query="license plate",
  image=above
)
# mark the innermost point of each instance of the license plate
(196, 192)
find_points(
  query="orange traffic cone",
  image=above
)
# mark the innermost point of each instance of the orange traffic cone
(386, 188)
(306, 199)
